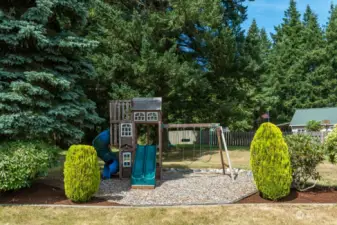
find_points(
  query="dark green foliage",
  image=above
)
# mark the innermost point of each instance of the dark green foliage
(330, 60)
(281, 73)
(330, 145)
(300, 71)
(313, 125)
(23, 161)
(270, 162)
(306, 152)
(43, 74)
(48, 89)
(81, 173)
(256, 50)
(138, 56)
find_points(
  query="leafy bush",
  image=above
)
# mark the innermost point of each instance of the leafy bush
(306, 152)
(313, 125)
(270, 162)
(23, 161)
(81, 173)
(331, 145)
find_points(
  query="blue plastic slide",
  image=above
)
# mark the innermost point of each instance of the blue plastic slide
(144, 168)
(101, 144)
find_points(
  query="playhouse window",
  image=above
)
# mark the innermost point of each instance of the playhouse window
(126, 129)
(126, 159)
(152, 116)
(139, 116)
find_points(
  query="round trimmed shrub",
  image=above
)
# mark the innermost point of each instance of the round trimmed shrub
(306, 152)
(81, 173)
(270, 162)
(331, 145)
(21, 162)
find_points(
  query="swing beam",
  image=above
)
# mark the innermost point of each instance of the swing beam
(192, 125)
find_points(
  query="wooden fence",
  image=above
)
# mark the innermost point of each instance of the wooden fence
(245, 138)
(208, 137)
(239, 138)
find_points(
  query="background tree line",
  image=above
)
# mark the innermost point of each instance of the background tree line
(62, 61)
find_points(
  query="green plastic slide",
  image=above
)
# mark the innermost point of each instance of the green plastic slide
(144, 168)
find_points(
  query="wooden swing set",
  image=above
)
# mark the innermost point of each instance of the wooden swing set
(212, 128)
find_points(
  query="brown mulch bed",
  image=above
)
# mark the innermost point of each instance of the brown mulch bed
(317, 195)
(40, 193)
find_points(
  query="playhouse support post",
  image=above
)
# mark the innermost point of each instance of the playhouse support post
(218, 132)
(160, 144)
(120, 154)
(148, 134)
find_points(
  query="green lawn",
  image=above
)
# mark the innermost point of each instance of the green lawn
(233, 214)
(193, 159)
(240, 157)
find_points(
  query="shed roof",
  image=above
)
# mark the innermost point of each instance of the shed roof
(153, 104)
(303, 116)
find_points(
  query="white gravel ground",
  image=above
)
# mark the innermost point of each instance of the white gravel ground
(181, 188)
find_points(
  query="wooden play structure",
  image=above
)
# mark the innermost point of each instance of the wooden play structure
(125, 118)
(125, 115)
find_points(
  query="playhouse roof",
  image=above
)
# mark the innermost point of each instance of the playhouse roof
(146, 104)
(302, 116)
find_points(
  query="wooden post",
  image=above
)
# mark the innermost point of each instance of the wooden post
(147, 134)
(160, 148)
(220, 150)
(114, 116)
(225, 146)
(110, 122)
(134, 144)
(128, 114)
(120, 153)
(123, 110)
(111, 132)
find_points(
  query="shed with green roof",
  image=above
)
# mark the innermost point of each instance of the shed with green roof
(327, 116)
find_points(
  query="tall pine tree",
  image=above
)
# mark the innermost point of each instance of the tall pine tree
(330, 83)
(42, 70)
(311, 66)
(256, 48)
(139, 55)
(282, 76)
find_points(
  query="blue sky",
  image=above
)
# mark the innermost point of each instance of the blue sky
(269, 13)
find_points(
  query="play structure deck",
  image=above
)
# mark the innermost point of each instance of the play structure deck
(142, 163)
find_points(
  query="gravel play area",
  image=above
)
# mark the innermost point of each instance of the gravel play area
(182, 188)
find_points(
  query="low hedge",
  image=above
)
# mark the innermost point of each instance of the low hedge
(23, 161)
(330, 145)
(306, 153)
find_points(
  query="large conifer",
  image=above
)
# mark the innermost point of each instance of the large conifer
(282, 76)
(42, 71)
(311, 66)
(330, 82)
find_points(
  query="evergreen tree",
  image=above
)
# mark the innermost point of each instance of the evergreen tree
(257, 49)
(282, 76)
(253, 67)
(42, 70)
(252, 50)
(312, 65)
(330, 83)
(139, 55)
(265, 45)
